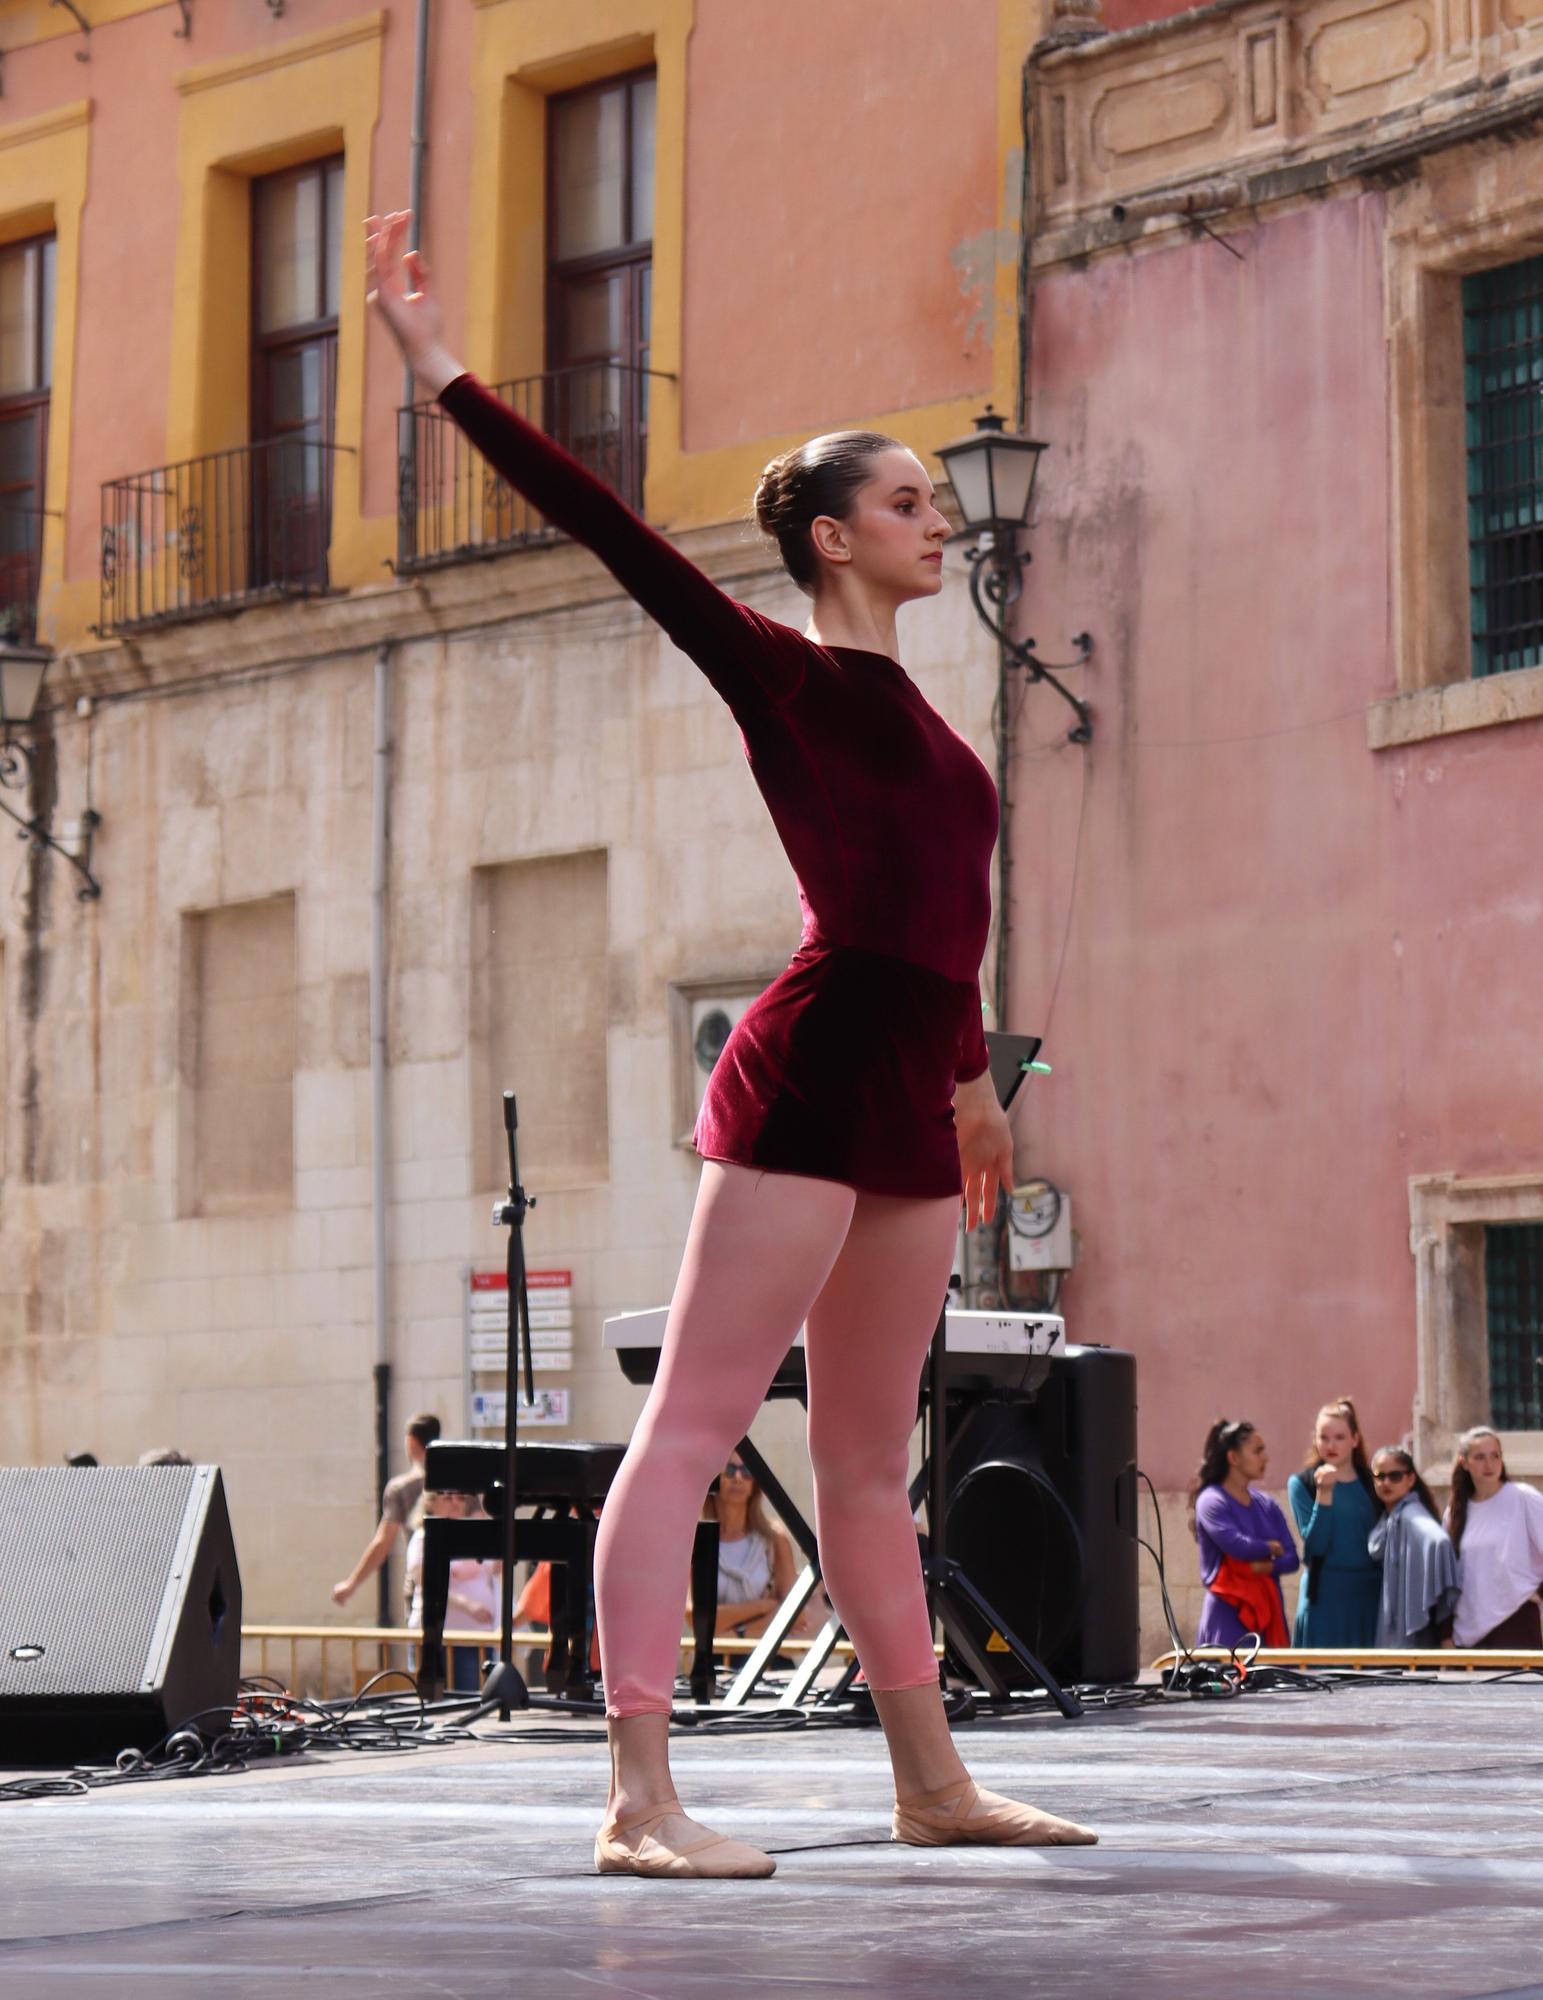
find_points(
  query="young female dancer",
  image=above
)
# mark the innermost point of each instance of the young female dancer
(1245, 1545)
(1496, 1525)
(1335, 1504)
(846, 1111)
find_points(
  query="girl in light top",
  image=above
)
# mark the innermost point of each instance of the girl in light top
(1245, 1544)
(1496, 1526)
(1419, 1564)
(755, 1558)
(1334, 1502)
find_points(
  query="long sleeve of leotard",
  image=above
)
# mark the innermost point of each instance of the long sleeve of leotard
(747, 658)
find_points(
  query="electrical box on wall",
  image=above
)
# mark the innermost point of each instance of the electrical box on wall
(1039, 1229)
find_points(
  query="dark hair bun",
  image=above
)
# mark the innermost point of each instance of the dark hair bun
(814, 479)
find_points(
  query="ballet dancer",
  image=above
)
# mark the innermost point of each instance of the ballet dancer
(849, 1109)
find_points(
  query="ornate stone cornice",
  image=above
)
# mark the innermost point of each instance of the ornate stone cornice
(1263, 100)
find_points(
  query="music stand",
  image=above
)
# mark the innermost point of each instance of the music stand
(955, 1602)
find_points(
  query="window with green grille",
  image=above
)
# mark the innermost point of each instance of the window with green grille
(1513, 1288)
(1503, 356)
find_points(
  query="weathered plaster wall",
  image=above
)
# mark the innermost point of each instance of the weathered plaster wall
(1297, 971)
(248, 1340)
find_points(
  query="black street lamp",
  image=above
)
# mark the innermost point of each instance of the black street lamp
(21, 682)
(993, 475)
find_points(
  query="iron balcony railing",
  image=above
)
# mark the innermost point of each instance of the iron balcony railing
(218, 532)
(451, 504)
(21, 552)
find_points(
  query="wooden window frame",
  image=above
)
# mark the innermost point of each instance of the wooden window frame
(36, 403)
(632, 257)
(303, 333)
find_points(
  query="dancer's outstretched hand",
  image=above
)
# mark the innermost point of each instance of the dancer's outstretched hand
(985, 1147)
(400, 292)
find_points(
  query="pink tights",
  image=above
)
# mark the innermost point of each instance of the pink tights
(767, 1252)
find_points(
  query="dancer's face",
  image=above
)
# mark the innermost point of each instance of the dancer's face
(893, 537)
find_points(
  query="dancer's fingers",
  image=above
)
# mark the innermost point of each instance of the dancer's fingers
(417, 271)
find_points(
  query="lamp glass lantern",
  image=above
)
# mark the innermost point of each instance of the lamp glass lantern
(21, 682)
(993, 474)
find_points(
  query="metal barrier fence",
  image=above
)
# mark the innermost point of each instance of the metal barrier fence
(328, 1660)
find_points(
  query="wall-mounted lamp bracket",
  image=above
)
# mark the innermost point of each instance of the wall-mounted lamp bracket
(996, 583)
(81, 55)
(16, 776)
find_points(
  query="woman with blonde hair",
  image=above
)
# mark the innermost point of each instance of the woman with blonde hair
(1334, 1501)
(755, 1558)
(1496, 1525)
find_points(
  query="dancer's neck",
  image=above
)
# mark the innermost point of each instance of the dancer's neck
(850, 617)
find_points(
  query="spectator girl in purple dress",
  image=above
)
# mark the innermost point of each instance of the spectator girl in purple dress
(1245, 1544)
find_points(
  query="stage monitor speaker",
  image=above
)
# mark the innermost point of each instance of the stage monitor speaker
(1042, 1516)
(120, 1607)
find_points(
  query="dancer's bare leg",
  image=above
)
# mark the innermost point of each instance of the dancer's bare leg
(759, 1249)
(867, 1339)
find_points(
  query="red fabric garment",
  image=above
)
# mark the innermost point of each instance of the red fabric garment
(1255, 1598)
(845, 1067)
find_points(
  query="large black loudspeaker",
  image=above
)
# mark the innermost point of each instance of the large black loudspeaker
(1042, 1516)
(120, 1606)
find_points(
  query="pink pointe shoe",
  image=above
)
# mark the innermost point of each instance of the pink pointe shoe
(962, 1814)
(662, 1841)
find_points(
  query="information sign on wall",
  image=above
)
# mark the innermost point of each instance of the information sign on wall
(550, 1294)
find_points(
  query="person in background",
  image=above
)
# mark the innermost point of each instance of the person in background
(755, 1557)
(1245, 1544)
(1496, 1525)
(164, 1454)
(1419, 1564)
(1336, 1508)
(475, 1595)
(81, 1458)
(398, 1507)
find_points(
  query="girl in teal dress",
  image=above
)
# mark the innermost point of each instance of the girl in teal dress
(1335, 1506)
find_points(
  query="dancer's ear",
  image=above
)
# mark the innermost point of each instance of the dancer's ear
(830, 538)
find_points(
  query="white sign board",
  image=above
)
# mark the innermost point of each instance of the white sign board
(548, 1412)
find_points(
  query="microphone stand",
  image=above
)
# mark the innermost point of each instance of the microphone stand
(505, 1685)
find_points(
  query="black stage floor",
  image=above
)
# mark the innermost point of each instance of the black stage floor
(1376, 1840)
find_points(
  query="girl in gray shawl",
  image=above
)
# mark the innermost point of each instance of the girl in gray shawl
(1419, 1563)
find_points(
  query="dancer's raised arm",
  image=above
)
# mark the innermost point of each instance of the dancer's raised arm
(745, 656)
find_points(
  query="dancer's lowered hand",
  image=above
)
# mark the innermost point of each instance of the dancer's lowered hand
(985, 1147)
(400, 292)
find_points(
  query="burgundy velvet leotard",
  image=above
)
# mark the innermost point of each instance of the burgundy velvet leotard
(844, 1068)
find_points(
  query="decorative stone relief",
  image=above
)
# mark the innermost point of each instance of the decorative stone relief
(1253, 92)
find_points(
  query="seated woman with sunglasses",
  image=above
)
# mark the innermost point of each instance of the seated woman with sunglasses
(1419, 1563)
(755, 1557)
(1245, 1544)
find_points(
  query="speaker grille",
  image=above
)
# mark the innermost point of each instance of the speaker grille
(88, 1572)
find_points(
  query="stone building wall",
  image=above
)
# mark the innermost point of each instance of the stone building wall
(183, 1270)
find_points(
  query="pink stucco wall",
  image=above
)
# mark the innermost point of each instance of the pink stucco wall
(1297, 972)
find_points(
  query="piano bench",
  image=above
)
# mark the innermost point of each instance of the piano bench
(566, 1482)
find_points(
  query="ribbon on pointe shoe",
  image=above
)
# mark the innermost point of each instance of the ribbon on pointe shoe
(962, 1814)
